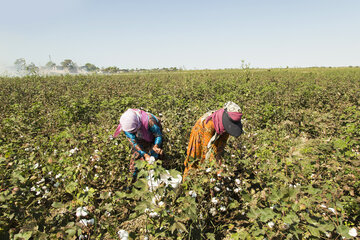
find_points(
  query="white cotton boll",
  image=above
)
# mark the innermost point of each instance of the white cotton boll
(353, 232)
(57, 184)
(213, 211)
(208, 170)
(228, 189)
(328, 234)
(271, 224)
(86, 222)
(153, 215)
(146, 237)
(236, 190)
(36, 165)
(192, 194)
(108, 214)
(111, 137)
(33, 189)
(333, 210)
(217, 189)
(83, 222)
(214, 200)
(232, 155)
(212, 180)
(82, 237)
(152, 160)
(323, 206)
(161, 203)
(81, 211)
(237, 181)
(223, 208)
(38, 193)
(41, 181)
(58, 175)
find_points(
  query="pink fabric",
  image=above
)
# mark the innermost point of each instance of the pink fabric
(145, 133)
(135, 119)
(235, 116)
(217, 119)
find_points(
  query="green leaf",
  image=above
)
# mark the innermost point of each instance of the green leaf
(234, 204)
(120, 194)
(23, 236)
(57, 205)
(343, 231)
(314, 231)
(71, 187)
(178, 225)
(291, 218)
(141, 183)
(210, 236)
(340, 144)
(71, 232)
(266, 214)
(140, 207)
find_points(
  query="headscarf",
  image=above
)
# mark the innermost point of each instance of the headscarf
(130, 121)
(135, 120)
(234, 112)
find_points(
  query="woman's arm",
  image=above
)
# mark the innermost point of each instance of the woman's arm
(133, 142)
(155, 129)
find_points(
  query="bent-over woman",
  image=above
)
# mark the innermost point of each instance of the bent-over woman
(144, 132)
(210, 133)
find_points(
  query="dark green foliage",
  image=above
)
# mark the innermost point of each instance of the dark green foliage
(297, 165)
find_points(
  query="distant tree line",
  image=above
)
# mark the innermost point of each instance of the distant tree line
(70, 66)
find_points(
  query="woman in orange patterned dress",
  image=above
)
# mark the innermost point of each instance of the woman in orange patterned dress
(209, 135)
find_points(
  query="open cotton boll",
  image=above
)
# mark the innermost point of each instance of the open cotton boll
(192, 194)
(123, 235)
(164, 178)
(353, 232)
(152, 160)
(81, 211)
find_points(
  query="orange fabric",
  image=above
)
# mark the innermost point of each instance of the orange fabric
(200, 136)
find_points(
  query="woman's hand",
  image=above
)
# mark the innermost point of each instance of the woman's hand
(147, 157)
(157, 150)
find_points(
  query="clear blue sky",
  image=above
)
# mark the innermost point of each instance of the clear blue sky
(192, 34)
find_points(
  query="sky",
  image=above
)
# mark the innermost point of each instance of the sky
(196, 34)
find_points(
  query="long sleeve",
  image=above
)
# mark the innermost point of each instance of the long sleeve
(155, 129)
(133, 142)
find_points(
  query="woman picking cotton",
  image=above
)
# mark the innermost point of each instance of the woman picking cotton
(144, 132)
(210, 133)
